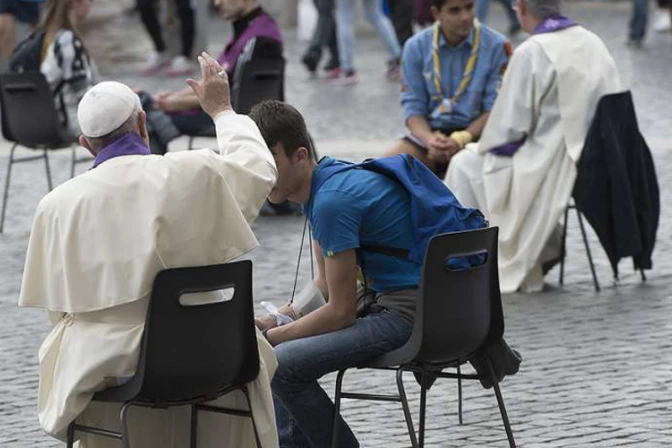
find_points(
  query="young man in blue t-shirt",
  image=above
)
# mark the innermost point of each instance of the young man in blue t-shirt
(349, 212)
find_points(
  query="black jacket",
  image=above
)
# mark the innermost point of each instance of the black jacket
(616, 187)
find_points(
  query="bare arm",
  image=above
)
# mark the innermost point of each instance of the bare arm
(339, 312)
(321, 280)
(181, 100)
(476, 127)
(419, 127)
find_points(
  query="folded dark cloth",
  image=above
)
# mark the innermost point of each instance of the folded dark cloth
(505, 361)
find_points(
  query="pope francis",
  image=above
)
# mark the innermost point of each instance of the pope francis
(522, 174)
(99, 240)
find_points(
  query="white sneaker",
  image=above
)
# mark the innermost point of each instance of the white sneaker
(663, 22)
(179, 66)
(155, 62)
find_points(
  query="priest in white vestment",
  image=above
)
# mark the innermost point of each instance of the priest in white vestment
(99, 240)
(522, 172)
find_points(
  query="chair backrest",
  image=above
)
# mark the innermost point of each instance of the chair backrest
(29, 115)
(257, 80)
(192, 352)
(460, 311)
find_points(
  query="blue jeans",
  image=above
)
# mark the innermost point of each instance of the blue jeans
(304, 412)
(640, 12)
(373, 9)
(482, 7)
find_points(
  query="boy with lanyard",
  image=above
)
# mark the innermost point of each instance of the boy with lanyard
(452, 72)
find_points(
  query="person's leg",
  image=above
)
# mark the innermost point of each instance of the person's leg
(402, 19)
(514, 26)
(6, 35)
(640, 10)
(187, 17)
(465, 179)
(345, 30)
(331, 40)
(150, 20)
(373, 10)
(192, 124)
(407, 146)
(303, 361)
(321, 34)
(482, 7)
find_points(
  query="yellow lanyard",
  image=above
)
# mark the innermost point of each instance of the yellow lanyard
(468, 69)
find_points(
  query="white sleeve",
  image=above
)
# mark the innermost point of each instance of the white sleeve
(246, 163)
(514, 114)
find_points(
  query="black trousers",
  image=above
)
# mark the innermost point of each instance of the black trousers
(402, 19)
(325, 31)
(185, 14)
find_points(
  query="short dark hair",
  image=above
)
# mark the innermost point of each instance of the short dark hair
(280, 122)
(438, 4)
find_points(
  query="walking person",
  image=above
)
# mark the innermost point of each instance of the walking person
(323, 36)
(158, 59)
(402, 19)
(373, 10)
(640, 13)
(482, 7)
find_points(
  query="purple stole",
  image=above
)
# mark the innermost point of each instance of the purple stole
(548, 25)
(128, 145)
(261, 26)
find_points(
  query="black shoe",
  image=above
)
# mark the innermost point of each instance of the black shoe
(310, 60)
(333, 63)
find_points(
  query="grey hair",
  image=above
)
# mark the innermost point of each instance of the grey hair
(130, 126)
(543, 9)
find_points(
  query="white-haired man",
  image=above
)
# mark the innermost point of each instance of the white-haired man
(99, 240)
(523, 171)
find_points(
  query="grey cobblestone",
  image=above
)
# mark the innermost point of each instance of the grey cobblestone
(596, 369)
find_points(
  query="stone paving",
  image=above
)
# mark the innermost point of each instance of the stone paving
(596, 365)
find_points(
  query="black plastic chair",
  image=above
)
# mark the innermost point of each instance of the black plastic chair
(459, 315)
(30, 119)
(257, 80)
(563, 254)
(191, 355)
(209, 132)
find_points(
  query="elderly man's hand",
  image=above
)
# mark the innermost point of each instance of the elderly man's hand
(212, 89)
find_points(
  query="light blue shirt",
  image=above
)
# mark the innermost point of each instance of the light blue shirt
(418, 69)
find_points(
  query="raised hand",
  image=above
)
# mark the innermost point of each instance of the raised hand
(212, 90)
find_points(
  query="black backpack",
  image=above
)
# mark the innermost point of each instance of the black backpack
(26, 55)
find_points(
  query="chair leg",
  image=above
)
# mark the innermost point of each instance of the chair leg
(459, 394)
(335, 434)
(191, 143)
(73, 161)
(564, 242)
(590, 257)
(407, 411)
(6, 193)
(254, 425)
(46, 166)
(71, 435)
(502, 408)
(125, 442)
(423, 409)
(643, 275)
(194, 426)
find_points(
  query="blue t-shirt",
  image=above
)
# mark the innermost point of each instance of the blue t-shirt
(357, 208)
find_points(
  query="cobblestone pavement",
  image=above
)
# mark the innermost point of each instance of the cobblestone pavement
(596, 369)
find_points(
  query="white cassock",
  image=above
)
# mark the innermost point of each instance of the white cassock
(96, 245)
(548, 97)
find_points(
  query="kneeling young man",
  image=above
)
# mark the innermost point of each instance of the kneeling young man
(451, 75)
(349, 210)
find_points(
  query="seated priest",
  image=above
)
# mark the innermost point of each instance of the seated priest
(99, 240)
(451, 72)
(522, 172)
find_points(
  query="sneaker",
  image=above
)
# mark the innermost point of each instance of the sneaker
(334, 73)
(345, 78)
(179, 66)
(663, 23)
(310, 60)
(393, 72)
(155, 62)
(332, 64)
